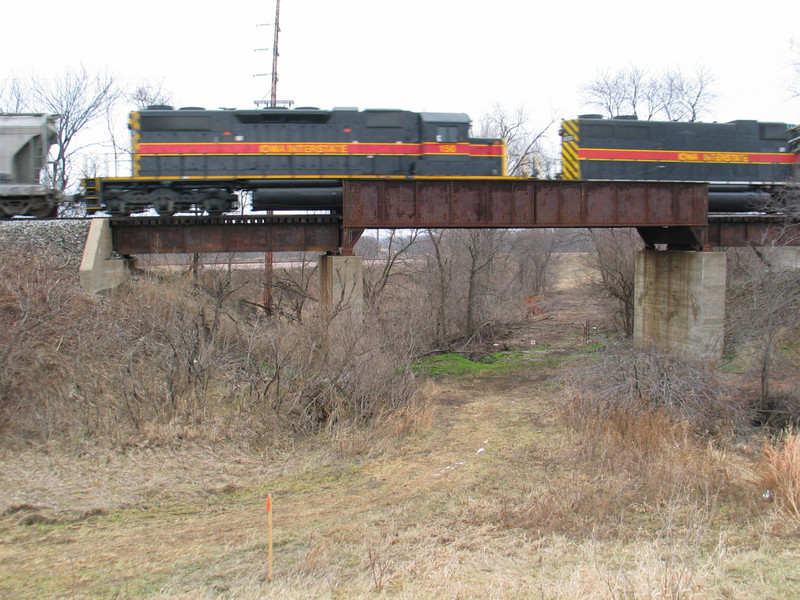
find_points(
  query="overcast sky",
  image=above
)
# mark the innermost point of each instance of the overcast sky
(436, 55)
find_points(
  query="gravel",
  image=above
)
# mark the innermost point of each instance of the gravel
(61, 239)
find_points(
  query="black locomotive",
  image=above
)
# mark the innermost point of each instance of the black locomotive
(195, 159)
(743, 161)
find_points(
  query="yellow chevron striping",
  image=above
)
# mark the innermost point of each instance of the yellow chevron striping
(570, 167)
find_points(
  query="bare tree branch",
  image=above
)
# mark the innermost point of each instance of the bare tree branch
(614, 263)
(794, 86)
(671, 95)
(524, 147)
(80, 99)
(149, 93)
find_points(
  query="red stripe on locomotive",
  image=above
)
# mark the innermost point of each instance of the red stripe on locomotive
(400, 149)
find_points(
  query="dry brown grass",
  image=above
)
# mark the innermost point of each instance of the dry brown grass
(491, 486)
(781, 472)
(415, 512)
(170, 359)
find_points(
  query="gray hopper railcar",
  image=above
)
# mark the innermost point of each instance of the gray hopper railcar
(25, 139)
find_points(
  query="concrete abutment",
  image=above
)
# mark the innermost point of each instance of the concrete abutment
(98, 271)
(341, 281)
(680, 303)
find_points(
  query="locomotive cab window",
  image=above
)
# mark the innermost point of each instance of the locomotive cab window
(447, 135)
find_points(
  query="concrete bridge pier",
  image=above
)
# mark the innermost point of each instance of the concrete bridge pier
(342, 284)
(680, 302)
(98, 271)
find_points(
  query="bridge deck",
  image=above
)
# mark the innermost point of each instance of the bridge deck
(669, 213)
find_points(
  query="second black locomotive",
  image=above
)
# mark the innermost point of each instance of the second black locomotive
(743, 161)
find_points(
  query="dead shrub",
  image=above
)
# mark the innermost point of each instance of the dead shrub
(781, 472)
(625, 382)
(320, 377)
(45, 333)
(645, 426)
(171, 359)
(624, 466)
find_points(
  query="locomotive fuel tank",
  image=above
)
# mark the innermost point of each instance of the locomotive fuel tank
(297, 194)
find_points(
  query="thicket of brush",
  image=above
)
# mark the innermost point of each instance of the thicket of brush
(186, 352)
(161, 361)
(178, 356)
(663, 433)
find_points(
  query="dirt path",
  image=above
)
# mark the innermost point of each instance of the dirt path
(340, 522)
(487, 497)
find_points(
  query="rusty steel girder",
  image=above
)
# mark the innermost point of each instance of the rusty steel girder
(521, 203)
(728, 231)
(227, 234)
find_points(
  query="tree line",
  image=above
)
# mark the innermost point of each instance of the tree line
(83, 100)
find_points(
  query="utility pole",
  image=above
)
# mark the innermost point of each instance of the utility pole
(274, 93)
(266, 298)
(273, 101)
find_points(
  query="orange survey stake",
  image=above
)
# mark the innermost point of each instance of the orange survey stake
(269, 536)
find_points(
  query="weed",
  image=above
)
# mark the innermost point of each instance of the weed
(449, 364)
(781, 472)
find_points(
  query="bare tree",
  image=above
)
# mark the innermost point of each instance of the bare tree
(80, 99)
(294, 285)
(11, 97)
(387, 256)
(466, 279)
(536, 252)
(794, 86)
(149, 93)
(670, 95)
(764, 303)
(614, 262)
(524, 143)
(438, 274)
(482, 251)
(686, 98)
(616, 93)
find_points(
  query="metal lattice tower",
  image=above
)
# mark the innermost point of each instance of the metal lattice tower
(274, 91)
(273, 101)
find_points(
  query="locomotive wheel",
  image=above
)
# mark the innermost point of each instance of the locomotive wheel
(117, 208)
(165, 201)
(217, 203)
